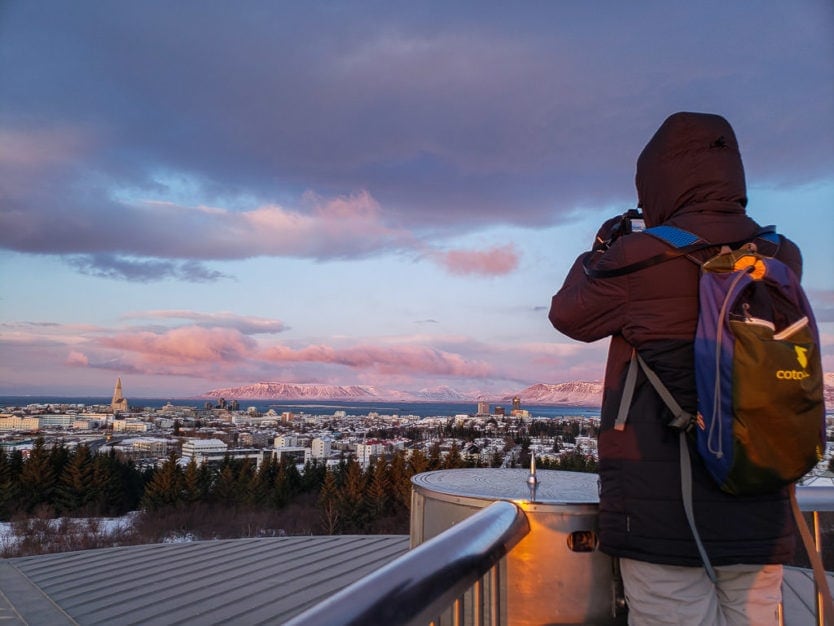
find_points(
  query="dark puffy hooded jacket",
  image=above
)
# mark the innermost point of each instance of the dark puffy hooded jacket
(689, 175)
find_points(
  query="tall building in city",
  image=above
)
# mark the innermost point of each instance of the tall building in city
(321, 447)
(516, 403)
(119, 403)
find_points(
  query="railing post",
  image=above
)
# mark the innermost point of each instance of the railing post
(818, 548)
(494, 596)
(457, 612)
(478, 603)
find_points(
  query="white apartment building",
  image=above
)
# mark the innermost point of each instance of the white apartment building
(285, 441)
(195, 448)
(246, 419)
(215, 450)
(150, 446)
(320, 447)
(20, 423)
(369, 450)
(130, 425)
(57, 420)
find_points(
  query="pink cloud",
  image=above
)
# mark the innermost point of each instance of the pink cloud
(246, 324)
(78, 359)
(190, 344)
(416, 360)
(495, 261)
(342, 226)
(38, 147)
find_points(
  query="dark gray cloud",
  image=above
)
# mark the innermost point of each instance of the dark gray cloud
(142, 270)
(492, 114)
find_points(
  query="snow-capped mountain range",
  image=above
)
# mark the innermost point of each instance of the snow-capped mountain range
(576, 393)
(572, 394)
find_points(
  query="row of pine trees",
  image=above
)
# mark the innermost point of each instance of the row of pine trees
(346, 498)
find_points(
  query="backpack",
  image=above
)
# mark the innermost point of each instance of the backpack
(760, 423)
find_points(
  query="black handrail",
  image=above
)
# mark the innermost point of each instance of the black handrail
(421, 584)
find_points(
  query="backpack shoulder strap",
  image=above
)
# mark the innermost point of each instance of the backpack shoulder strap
(681, 243)
(681, 422)
(674, 236)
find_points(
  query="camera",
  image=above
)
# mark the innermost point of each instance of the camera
(631, 222)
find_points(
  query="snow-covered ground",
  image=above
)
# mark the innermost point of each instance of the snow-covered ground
(102, 527)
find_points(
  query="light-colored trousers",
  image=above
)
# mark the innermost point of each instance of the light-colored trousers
(745, 595)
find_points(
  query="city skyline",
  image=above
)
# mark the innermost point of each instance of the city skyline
(197, 197)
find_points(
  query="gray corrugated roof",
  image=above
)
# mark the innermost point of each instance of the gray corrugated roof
(235, 581)
(244, 581)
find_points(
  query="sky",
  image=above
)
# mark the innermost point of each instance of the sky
(201, 194)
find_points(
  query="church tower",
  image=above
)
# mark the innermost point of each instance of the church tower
(119, 403)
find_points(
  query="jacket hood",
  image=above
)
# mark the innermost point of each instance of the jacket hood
(693, 158)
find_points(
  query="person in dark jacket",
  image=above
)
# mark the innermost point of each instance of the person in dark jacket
(689, 175)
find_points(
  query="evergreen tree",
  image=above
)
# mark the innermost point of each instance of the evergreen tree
(418, 462)
(59, 456)
(196, 482)
(287, 483)
(263, 482)
(112, 491)
(37, 478)
(435, 461)
(10, 468)
(225, 489)
(133, 486)
(524, 456)
(353, 509)
(313, 477)
(379, 497)
(329, 504)
(400, 481)
(75, 494)
(245, 478)
(454, 459)
(165, 488)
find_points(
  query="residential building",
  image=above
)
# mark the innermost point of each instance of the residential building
(321, 447)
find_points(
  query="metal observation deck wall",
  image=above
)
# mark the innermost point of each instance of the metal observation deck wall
(556, 574)
(491, 547)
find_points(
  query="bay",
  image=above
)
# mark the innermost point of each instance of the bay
(313, 407)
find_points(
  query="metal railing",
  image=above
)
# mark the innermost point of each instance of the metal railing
(816, 500)
(423, 583)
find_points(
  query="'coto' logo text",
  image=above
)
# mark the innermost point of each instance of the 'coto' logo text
(791, 375)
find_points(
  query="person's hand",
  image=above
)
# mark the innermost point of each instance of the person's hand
(606, 233)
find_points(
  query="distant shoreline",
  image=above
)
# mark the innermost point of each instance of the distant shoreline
(317, 407)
